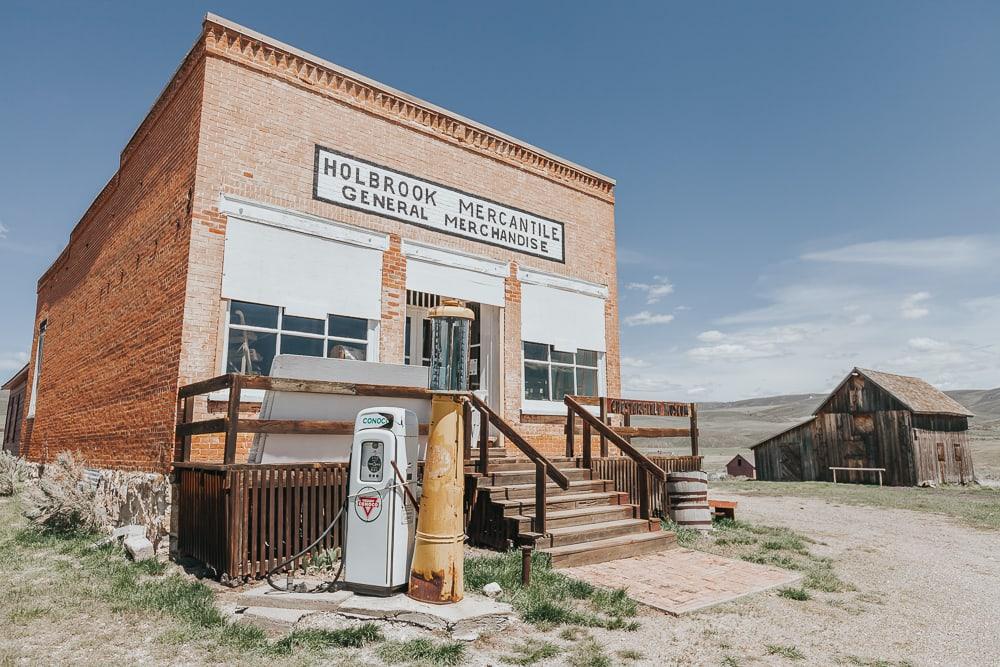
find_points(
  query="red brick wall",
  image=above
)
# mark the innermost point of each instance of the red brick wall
(262, 118)
(114, 301)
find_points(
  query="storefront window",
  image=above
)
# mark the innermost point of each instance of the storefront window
(551, 374)
(258, 332)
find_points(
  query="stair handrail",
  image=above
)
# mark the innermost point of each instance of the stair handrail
(536, 457)
(640, 459)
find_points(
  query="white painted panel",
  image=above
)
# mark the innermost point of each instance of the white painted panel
(309, 275)
(284, 448)
(567, 320)
(454, 282)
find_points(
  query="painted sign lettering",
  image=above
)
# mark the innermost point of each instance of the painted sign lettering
(355, 183)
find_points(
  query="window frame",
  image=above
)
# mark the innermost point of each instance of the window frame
(36, 371)
(370, 341)
(546, 405)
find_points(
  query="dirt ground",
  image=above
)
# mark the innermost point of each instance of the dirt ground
(928, 593)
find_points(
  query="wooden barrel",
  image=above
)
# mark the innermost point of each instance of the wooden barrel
(687, 493)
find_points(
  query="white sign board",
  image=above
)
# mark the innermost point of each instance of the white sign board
(363, 186)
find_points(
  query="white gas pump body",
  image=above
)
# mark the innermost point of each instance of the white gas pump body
(381, 520)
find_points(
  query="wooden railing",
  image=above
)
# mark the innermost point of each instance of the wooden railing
(232, 425)
(544, 468)
(624, 473)
(644, 467)
(243, 519)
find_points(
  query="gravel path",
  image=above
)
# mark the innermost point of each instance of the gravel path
(928, 593)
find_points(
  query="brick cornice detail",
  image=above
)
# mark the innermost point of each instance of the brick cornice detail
(225, 42)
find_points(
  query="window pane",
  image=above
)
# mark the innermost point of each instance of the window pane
(253, 314)
(348, 327)
(536, 351)
(536, 382)
(303, 324)
(406, 340)
(310, 347)
(562, 357)
(586, 381)
(342, 350)
(586, 358)
(562, 382)
(427, 343)
(250, 352)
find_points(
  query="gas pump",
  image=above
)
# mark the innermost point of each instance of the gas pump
(381, 520)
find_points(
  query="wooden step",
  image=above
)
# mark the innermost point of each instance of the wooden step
(514, 464)
(600, 551)
(517, 491)
(562, 502)
(557, 537)
(510, 477)
(579, 516)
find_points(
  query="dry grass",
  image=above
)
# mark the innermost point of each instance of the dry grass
(977, 506)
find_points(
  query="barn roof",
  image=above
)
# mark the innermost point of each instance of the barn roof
(780, 433)
(918, 396)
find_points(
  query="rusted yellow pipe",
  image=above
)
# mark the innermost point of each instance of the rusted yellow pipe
(438, 559)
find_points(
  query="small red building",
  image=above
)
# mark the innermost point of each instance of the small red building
(740, 467)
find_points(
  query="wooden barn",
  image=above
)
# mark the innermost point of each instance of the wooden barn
(901, 424)
(739, 466)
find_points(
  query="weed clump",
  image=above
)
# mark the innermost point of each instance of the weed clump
(785, 651)
(552, 599)
(799, 594)
(13, 473)
(422, 651)
(64, 501)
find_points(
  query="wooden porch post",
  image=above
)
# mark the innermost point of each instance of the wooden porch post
(232, 418)
(694, 429)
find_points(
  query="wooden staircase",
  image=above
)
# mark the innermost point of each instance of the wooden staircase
(588, 522)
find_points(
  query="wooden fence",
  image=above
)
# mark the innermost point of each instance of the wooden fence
(244, 519)
(624, 472)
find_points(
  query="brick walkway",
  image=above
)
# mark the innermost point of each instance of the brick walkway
(680, 581)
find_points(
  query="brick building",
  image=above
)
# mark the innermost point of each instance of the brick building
(273, 202)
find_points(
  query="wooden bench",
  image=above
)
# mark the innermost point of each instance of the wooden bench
(723, 509)
(878, 470)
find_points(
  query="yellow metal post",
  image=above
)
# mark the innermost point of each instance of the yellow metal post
(438, 559)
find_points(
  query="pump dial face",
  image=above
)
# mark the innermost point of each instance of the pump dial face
(372, 455)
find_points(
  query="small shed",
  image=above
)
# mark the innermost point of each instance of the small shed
(874, 419)
(739, 466)
(14, 411)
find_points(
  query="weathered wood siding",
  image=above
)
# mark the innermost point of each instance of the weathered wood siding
(806, 453)
(858, 395)
(943, 457)
(781, 459)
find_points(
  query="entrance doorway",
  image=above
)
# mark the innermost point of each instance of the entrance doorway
(484, 342)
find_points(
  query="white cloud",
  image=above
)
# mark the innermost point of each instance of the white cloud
(12, 361)
(634, 362)
(697, 390)
(712, 336)
(912, 307)
(729, 352)
(945, 252)
(4, 229)
(858, 320)
(923, 344)
(646, 318)
(659, 288)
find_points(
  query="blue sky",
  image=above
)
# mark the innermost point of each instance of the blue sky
(802, 187)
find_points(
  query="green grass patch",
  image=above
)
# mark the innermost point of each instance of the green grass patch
(978, 506)
(589, 653)
(552, 599)
(785, 651)
(415, 651)
(799, 594)
(531, 652)
(775, 546)
(319, 639)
